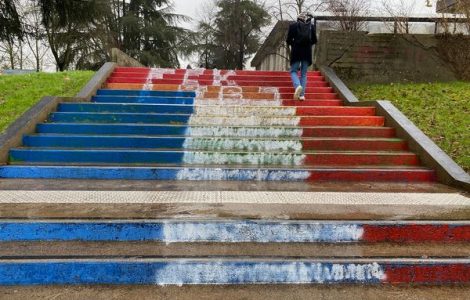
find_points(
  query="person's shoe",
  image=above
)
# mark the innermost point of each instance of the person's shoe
(297, 93)
(302, 98)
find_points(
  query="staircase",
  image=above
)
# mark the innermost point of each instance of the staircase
(162, 124)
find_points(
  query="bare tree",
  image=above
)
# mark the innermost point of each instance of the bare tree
(400, 11)
(348, 13)
(289, 10)
(35, 34)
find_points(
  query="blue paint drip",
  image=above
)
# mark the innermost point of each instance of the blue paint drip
(186, 272)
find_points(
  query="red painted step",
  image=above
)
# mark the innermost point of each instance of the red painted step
(373, 175)
(342, 144)
(343, 121)
(311, 96)
(312, 103)
(341, 132)
(222, 72)
(336, 111)
(362, 159)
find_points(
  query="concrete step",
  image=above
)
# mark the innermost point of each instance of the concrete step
(376, 174)
(161, 271)
(212, 143)
(215, 130)
(145, 118)
(215, 110)
(172, 156)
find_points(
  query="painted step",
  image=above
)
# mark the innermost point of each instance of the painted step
(216, 110)
(180, 78)
(267, 96)
(190, 94)
(211, 72)
(65, 117)
(127, 156)
(263, 83)
(215, 131)
(143, 99)
(235, 231)
(207, 143)
(217, 173)
(239, 271)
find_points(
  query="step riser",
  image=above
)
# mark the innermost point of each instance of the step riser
(201, 82)
(217, 110)
(177, 94)
(173, 231)
(208, 144)
(207, 72)
(172, 157)
(198, 174)
(181, 77)
(216, 271)
(77, 128)
(217, 120)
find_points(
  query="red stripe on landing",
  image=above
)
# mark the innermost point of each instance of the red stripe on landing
(362, 159)
(428, 274)
(373, 175)
(416, 233)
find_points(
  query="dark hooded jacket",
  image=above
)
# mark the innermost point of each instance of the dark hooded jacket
(300, 52)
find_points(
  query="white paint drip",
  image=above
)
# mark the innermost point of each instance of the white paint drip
(244, 121)
(237, 110)
(193, 272)
(260, 232)
(219, 158)
(214, 131)
(216, 144)
(242, 174)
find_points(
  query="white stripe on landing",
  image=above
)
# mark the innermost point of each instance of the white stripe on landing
(241, 144)
(241, 174)
(245, 111)
(212, 131)
(244, 121)
(265, 197)
(218, 158)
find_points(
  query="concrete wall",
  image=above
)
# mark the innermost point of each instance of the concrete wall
(382, 58)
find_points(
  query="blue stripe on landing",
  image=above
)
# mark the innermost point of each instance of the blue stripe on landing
(96, 156)
(149, 100)
(112, 129)
(171, 231)
(146, 93)
(118, 118)
(102, 142)
(178, 272)
(126, 108)
(149, 173)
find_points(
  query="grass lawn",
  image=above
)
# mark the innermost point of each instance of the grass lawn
(441, 110)
(20, 92)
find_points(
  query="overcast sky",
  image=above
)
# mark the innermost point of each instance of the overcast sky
(192, 9)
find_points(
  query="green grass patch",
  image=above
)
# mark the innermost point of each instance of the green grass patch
(441, 110)
(18, 93)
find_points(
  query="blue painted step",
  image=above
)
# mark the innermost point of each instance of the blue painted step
(78, 128)
(143, 99)
(146, 93)
(64, 141)
(118, 118)
(126, 108)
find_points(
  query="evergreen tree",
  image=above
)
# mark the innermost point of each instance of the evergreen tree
(10, 24)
